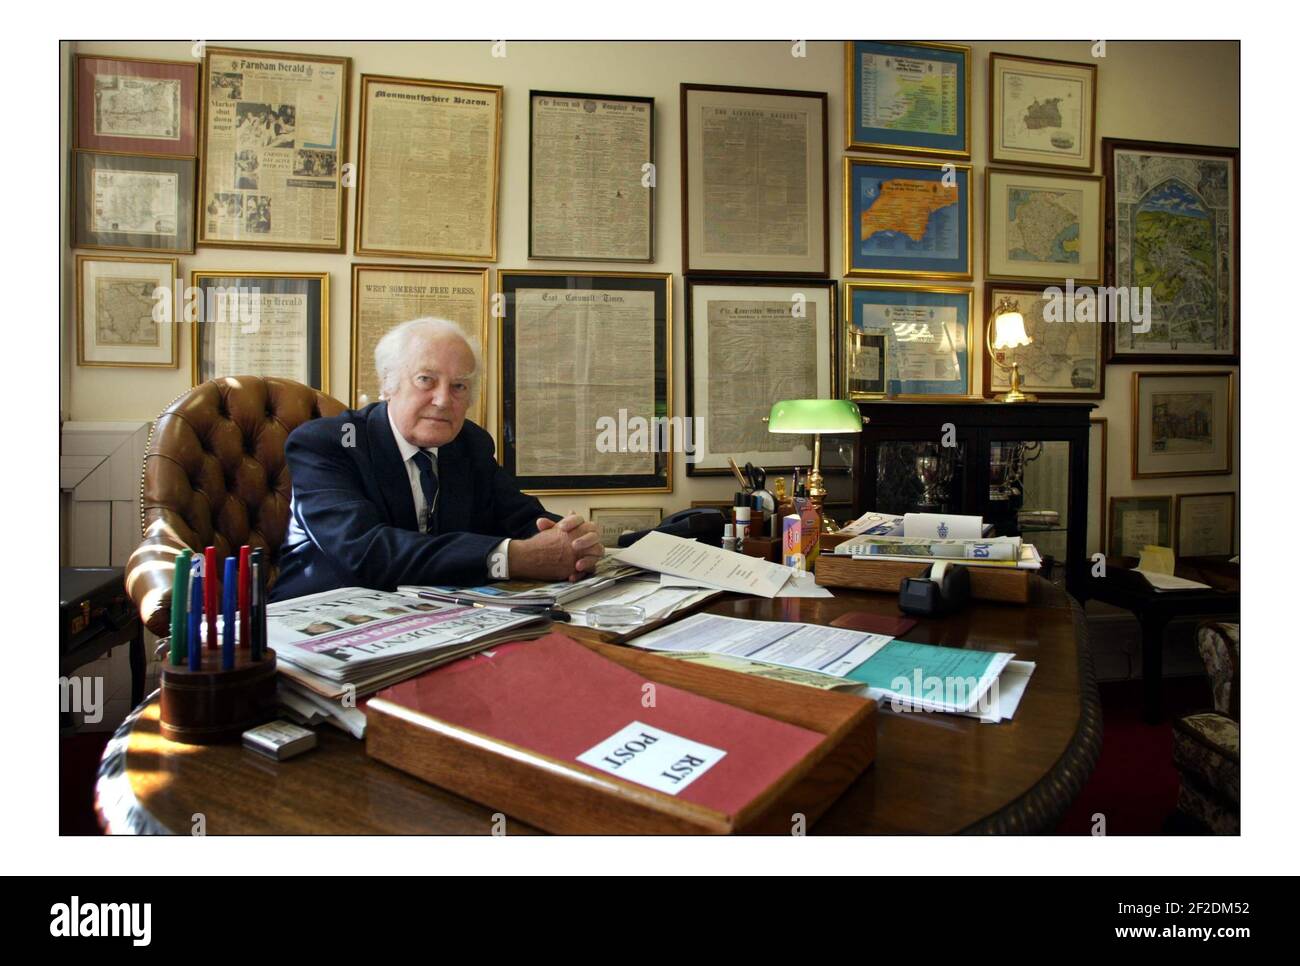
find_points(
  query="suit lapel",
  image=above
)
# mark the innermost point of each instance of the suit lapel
(390, 469)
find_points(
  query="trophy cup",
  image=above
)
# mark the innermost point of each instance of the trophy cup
(934, 470)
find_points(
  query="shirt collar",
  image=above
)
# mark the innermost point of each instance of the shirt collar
(404, 446)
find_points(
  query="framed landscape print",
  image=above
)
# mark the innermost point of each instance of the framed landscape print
(275, 129)
(1042, 112)
(927, 332)
(1043, 226)
(908, 97)
(1065, 360)
(384, 296)
(133, 203)
(585, 401)
(1206, 524)
(430, 163)
(1182, 424)
(612, 522)
(133, 106)
(116, 324)
(590, 185)
(908, 218)
(1173, 226)
(750, 343)
(1139, 521)
(262, 324)
(755, 192)
(1097, 444)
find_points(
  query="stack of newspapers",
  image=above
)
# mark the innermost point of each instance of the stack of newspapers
(983, 552)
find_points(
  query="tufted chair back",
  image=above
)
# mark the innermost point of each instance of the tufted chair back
(215, 475)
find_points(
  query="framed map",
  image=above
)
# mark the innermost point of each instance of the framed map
(1042, 112)
(1065, 360)
(1043, 226)
(1172, 239)
(117, 312)
(134, 106)
(910, 98)
(907, 218)
(133, 203)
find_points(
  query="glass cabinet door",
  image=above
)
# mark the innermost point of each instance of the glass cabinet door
(917, 476)
(1029, 492)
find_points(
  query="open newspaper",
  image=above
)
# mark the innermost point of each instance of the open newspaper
(988, 552)
(520, 593)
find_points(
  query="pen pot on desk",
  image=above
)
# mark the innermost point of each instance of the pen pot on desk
(210, 705)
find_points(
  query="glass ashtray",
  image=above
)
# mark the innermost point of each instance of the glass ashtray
(615, 615)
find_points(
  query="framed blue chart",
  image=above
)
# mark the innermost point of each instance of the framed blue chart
(907, 218)
(927, 331)
(909, 98)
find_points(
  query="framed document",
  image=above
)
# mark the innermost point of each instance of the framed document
(927, 333)
(913, 98)
(1207, 524)
(1065, 360)
(262, 324)
(590, 177)
(586, 381)
(275, 127)
(1182, 424)
(117, 319)
(909, 218)
(1139, 521)
(755, 199)
(1042, 112)
(750, 343)
(612, 522)
(1097, 443)
(1172, 228)
(384, 296)
(429, 169)
(133, 203)
(866, 363)
(133, 106)
(1043, 226)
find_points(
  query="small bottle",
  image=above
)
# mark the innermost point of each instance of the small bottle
(729, 538)
(741, 509)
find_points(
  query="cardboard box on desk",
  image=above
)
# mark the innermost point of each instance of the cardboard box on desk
(514, 730)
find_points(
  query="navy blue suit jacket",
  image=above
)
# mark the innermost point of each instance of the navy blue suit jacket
(352, 519)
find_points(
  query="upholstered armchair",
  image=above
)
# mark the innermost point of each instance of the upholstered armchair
(215, 475)
(1207, 746)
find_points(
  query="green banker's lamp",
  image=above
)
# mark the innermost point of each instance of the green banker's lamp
(816, 416)
(1007, 331)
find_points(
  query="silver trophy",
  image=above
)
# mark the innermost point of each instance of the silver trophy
(1007, 466)
(934, 466)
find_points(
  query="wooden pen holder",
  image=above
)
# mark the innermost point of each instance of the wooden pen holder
(211, 705)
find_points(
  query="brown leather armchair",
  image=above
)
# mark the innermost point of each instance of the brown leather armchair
(215, 475)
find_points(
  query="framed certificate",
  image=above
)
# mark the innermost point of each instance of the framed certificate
(612, 522)
(118, 317)
(927, 335)
(262, 324)
(130, 105)
(1042, 112)
(1206, 524)
(1043, 226)
(1139, 521)
(907, 218)
(1065, 360)
(755, 199)
(1182, 424)
(385, 296)
(133, 203)
(749, 344)
(591, 177)
(911, 98)
(429, 169)
(275, 127)
(586, 381)
(1172, 228)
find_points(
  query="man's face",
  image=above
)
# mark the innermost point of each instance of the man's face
(428, 407)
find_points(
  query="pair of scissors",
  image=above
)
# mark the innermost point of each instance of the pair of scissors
(757, 476)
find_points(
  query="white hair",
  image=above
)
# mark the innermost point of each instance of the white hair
(393, 350)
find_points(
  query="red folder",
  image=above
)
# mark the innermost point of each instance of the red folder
(558, 698)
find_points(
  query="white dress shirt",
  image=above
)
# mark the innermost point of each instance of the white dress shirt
(422, 511)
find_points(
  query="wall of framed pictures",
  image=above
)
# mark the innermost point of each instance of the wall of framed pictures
(632, 91)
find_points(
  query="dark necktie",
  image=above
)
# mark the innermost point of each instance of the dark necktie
(428, 483)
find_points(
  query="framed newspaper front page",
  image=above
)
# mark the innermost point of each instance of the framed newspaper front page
(384, 296)
(133, 203)
(130, 105)
(750, 343)
(262, 324)
(755, 193)
(275, 127)
(591, 177)
(586, 393)
(429, 178)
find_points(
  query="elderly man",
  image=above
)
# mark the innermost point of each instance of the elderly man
(408, 491)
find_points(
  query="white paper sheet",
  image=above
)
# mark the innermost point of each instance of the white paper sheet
(724, 569)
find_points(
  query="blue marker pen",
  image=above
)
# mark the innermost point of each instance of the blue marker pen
(196, 615)
(229, 596)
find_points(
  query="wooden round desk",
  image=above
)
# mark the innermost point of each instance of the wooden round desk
(933, 774)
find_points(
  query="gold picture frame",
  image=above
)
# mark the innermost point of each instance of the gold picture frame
(1182, 439)
(851, 141)
(168, 332)
(653, 515)
(1065, 74)
(1096, 249)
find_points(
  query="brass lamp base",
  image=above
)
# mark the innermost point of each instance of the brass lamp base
(1015, 394)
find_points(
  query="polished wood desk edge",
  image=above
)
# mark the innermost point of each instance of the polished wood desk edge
(117, 809)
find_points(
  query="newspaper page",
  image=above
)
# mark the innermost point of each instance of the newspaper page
(429, 169)
(385, 297)
(587, 196)
(581, 355)
(258, 333)
(271, 169)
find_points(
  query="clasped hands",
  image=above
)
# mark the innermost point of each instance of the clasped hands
(569, 549)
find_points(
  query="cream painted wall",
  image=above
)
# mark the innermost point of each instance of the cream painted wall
(1185, 92)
